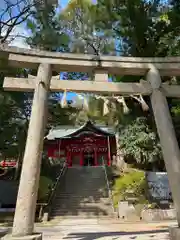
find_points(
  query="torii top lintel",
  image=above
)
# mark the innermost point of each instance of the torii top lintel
(101, 65)
(31, 58)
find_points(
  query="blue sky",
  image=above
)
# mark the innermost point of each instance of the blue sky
(21, 30)
(63, 2)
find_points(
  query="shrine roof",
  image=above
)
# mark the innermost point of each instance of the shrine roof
(67, 131)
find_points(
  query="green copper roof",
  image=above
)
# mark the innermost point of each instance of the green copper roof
(67, 131)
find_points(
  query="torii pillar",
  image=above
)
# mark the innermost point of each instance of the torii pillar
(169, 144)
(24, 218)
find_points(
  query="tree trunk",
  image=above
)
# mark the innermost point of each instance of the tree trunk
(120, 163)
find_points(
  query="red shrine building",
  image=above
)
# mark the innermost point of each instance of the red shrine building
(88, 145)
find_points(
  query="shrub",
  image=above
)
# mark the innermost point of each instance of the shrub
(44, 188)
(140, 143)
(134, 182)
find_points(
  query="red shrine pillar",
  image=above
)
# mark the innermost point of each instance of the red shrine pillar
(81, 157)
(95, 157)
(109, 152)
(109, 159)
(69, 158)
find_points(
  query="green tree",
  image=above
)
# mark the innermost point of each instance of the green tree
(14, 117)
(45, 28)
(141, 145)
(48, 34)
(141, 29)
(79, 19)
(139, 26)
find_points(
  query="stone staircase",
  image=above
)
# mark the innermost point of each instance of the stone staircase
(83, 192)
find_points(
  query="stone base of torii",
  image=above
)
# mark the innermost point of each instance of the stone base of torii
(23, 226)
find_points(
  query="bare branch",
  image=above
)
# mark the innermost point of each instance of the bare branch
(14, 13)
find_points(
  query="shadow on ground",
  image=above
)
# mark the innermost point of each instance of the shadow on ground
(3, 232)
(110, 235)
(115, 235)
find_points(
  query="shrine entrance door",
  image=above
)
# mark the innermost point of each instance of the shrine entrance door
(89, 158)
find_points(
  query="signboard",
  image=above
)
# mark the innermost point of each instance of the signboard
(158, 185)
(8, 163)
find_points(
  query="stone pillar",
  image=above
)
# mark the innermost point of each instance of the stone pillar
(169, 144)
(101, 75)
(27, 195)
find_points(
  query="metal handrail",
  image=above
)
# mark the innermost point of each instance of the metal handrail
(109, 190)
(56, 184)
(53, 190)
(50, 198)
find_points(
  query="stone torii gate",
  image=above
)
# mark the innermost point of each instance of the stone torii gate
(45, 62)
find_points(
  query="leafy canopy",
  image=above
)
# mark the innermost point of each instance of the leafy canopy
(139, 142)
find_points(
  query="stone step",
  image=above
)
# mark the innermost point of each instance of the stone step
(104, 202)
(83, 191)
(79, 192)
(80, 210)
(83, 209)
(81, 201)
(81, 217)
(85, 188)
(88, 192)
(80, 213)
(77, 206)
(94, 199)
(81, 197)
(92, 185)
